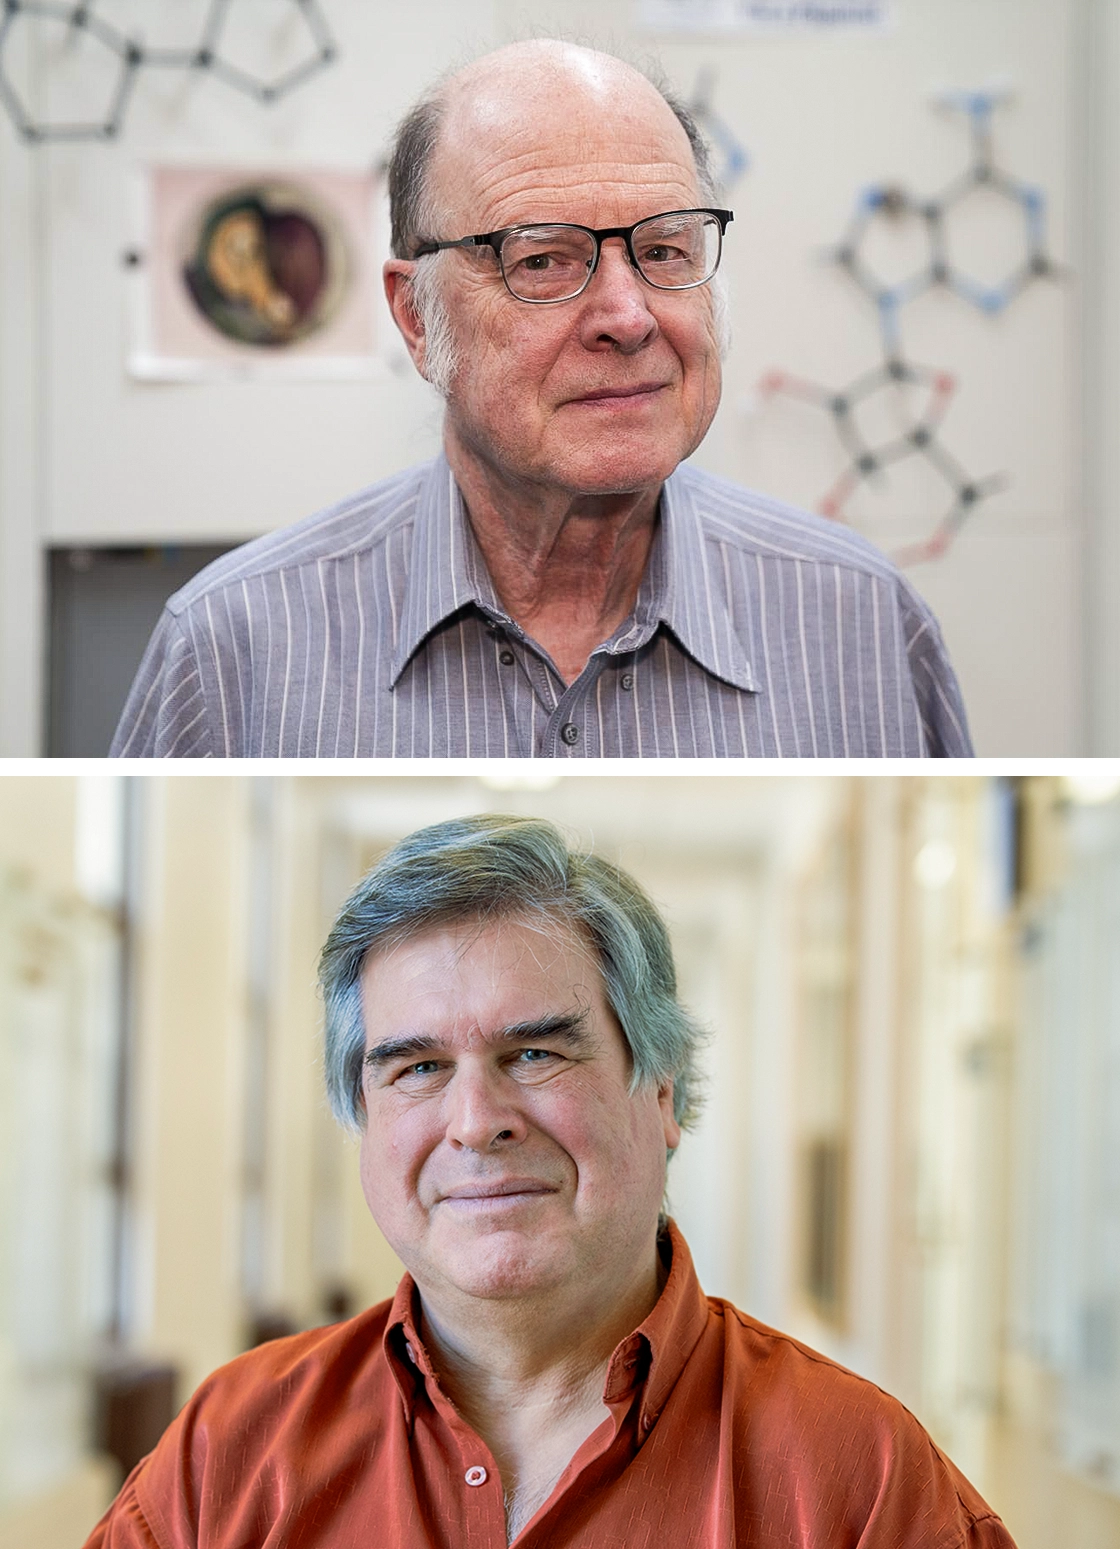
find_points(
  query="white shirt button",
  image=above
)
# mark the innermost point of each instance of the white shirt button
(475, 1475)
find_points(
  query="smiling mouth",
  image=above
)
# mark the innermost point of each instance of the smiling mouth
(481, 1196)
(608, 395)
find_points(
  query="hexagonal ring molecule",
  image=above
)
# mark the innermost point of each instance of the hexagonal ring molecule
(1027, 200)
(893, 203)
(81, 19)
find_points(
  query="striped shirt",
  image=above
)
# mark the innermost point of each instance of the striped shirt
(374, 630)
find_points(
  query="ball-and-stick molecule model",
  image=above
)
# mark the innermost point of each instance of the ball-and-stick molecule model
(867, 460)
(80, 23)
(894, 205)
(733, 156)
(941, 268)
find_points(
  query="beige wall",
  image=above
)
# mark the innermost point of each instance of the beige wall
(37, 841)
(1045, 1506)
(37, 830)
(190, 1084)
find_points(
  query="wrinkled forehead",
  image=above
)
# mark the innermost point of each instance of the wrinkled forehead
(484, 973)
(524, 142)
(498, 938)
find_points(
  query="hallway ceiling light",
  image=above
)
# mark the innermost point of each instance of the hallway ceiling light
(1091, 790)
(935, 864)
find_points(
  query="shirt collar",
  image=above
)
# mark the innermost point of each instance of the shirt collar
(447, 572)
(655, 1354)
(652, 1357)
(408, 1360)
(694, 603)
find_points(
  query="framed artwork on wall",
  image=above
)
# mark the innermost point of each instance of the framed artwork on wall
(250, 273)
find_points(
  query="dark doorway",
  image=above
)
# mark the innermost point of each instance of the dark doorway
(104, 604)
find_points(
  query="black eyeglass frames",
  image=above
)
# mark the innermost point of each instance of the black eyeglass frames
(674, 251)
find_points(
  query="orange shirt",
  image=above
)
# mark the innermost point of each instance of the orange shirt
(721, 1433)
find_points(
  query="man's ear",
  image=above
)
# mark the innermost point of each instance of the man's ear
(397, 275)
(665, 1103)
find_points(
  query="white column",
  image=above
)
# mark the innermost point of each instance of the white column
(22, 433)
(1099, 173)
(191, 934)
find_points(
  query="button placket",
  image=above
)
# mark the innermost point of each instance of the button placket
(518, 668)
(546, 690)
(573, 723)
(500, 638)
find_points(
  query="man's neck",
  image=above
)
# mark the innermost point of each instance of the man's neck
(528, 1375)
(565, 566)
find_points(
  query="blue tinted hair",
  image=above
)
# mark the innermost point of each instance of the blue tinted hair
(493, 868)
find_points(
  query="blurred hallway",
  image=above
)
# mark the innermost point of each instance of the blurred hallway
(908, 1156)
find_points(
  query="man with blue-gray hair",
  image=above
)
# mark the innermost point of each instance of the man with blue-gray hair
(493, 869)
(503, 1031)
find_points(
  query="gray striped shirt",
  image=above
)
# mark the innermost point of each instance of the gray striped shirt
(374, 630)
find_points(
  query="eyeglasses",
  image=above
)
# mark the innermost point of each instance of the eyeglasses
(674, 251)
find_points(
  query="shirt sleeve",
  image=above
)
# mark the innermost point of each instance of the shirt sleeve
(124, 1525)
(165, 715)
(988, 1533)
(936, 690)
(923, 1501)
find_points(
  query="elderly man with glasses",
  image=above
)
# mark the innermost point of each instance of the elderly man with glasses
(558, 583)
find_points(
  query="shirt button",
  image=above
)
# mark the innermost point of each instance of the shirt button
(627, 681)
(506, 658)
(475, 1475)
(569, 733)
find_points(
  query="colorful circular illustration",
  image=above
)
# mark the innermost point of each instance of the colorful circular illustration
(266, 264)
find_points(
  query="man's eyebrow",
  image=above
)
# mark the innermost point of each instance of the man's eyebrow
(567, 1027)
(399, 1048)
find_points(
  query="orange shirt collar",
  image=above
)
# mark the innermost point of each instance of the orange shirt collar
(652, 1357)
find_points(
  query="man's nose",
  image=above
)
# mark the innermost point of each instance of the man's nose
(482, 1111)
(616, 303)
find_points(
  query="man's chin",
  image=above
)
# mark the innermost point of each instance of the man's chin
(616, 474)
(504, 1264)
(618, 463)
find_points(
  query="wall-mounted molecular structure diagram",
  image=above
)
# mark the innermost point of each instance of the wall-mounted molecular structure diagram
(79, 23)
(941, 268)
(894, 204)
(868, 461)
(732, 153)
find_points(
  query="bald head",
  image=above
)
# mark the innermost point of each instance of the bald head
(496, 101)
(541, 64)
